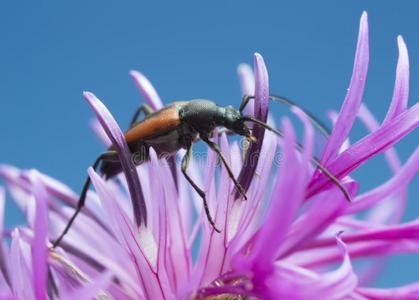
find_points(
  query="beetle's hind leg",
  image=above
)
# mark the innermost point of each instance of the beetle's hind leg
(217, 150)
(145, 109)
(105, 156)
(184, 166)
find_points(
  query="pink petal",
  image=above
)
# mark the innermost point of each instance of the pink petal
(402, 178)
(100, 133)
(7, 297)
(208, 232)
(407, 292)
(308, 133)
(211, 263)
(39, 242)
(401, 86)
(2, 205)
(408, 231)
(225, 186)
(72, 275)
(173, 253)
(333, 116)
(365, 249)
(4, 266)
(140, 246)
(282, 211)
(20, 187)
(292, 282)
(247, 84)
(321, 213)
(395, 204)
(84, 244)
(63, 193)
(21, 275)
(244, 216)
(376, 142)
(91, 290)
(114, 133)
(372, 125)
(353, 97)
(147, 90)
(261, 112)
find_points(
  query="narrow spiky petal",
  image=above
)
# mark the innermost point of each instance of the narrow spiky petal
(402, 178)
(401, 86)
(146, 89)
(380, 140)
(92, 290)
(99, 132)
(291, 181)
(261, 103)
(143, 261)
(353, 97)
(39, 243)
(21, 276)
(247, 85)
(4, 266)
(410, 291)
(114, 133)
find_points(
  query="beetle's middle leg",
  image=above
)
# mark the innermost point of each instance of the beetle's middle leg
(105, 156)
(185, 162)
(145, 109)
(217, 150)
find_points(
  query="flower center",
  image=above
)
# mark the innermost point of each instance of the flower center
(227, 287)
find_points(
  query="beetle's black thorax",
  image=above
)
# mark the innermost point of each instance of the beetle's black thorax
(201, 115)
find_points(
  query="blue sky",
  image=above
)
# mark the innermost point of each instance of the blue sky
(51, 51)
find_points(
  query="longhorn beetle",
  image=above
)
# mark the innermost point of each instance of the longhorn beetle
(178, 126)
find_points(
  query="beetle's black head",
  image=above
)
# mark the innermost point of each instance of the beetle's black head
(234, 121)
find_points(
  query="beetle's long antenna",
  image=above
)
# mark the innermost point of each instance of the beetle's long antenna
(316, 122)
(315, 161)
(283, 100)
(263, 124)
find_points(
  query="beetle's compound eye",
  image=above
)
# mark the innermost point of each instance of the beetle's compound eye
(232, 115)
(233, 120)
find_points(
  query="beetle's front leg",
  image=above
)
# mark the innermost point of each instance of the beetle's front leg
(217, 150)
(245, 101)
(185, 162)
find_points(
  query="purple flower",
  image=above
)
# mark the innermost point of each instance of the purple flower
(294, 238)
